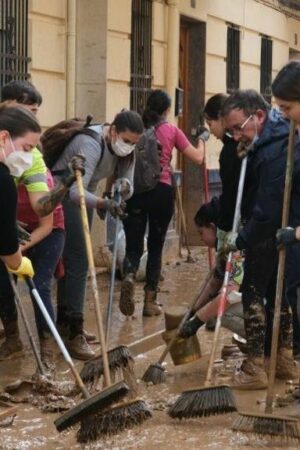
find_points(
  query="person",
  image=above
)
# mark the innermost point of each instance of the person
(286, 90)
(154, 207)
(205, 219)
(47, 238)
(19, 134)
(264, 134)
(230, 166)
(110, 153)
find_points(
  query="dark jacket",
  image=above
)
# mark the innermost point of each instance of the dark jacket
(230, 166)
(264, 184)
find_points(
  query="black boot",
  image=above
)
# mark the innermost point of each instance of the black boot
(191, 327)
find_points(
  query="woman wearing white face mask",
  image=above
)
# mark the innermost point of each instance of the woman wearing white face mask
(19, 133)
(108, 153)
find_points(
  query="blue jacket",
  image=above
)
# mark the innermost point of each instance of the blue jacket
(264, 184)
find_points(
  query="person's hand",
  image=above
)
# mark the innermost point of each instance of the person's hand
(76, 163)
(102, 211)
(116, 209)
(124, 187)
(233, 241)
(203, 134)
(24, 269)
(23, 235)
(286, 236)
(242, 150)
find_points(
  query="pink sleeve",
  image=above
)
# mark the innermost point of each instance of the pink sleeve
(181, 141)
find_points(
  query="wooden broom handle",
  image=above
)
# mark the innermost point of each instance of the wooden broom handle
(281, 267)
(89, 250)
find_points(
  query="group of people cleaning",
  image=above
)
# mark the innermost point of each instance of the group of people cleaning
(47, 204)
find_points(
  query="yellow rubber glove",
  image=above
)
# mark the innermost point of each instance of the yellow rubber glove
(24, 269)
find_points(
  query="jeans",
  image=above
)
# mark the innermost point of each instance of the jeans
(44, 257)
(71, 288)
(259, 283)
(156, 208)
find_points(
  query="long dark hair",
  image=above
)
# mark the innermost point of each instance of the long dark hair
(213, 106)
(17, 121)
(286, 84)
(158, 102)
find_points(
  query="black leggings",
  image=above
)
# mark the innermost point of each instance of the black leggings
(156, 208)
(259, 283)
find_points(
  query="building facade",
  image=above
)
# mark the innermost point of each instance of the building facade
(98, 56)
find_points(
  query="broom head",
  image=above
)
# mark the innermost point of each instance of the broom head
(283, 427)
(155, 374)
(92, 405)
(203, 402)
(118, 358)
(113, 420)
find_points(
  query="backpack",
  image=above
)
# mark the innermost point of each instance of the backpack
(55, 139)
(147, 166)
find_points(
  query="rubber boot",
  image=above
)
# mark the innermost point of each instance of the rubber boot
(151, 306)
(126, 303)
(251, 375)
(48, 350)
(12, 347)
(77, 343)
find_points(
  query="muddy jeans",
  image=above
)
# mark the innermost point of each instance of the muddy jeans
(259, 283)
(155, 207)
(71, 288)
(292, 275)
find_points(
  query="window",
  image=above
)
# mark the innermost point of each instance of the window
(266, 68)
(13, 40)
(141, 42)
(233, 58)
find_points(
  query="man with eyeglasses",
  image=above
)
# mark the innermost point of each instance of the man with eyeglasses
(262, 133)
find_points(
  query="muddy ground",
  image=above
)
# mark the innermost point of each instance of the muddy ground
(33, 429)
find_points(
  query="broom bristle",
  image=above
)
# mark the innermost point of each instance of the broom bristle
(285, 428)
(118, 358)
(155, 374)
(113, 420)
(203, 402)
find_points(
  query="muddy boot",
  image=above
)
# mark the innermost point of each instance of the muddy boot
(126, 303)
(48, 350)
(12, 347)
(151, 306)
(77, 343)
(286, 367)
(251, 375)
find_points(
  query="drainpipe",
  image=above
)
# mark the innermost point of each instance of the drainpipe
(172, 50)
(71, 58)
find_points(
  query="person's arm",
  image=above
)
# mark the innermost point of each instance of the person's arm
(13, 261)
(45, 223)
(194, 154)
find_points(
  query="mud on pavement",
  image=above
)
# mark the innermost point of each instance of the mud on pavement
(33, 429)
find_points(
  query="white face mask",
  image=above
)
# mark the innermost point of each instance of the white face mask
(17, 161)
(121, 148)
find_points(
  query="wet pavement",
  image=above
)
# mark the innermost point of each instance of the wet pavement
(33, 429)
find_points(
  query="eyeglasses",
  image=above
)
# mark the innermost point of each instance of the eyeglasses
(238, 129)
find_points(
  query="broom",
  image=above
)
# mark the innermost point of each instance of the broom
(155, 373)
(124, 414)
(189, 259)
(91, 404)
(213, 400)
(119, 357)
(267, 424)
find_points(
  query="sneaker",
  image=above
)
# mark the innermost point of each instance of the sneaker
(126, 303)
(64, 331)
(151, 305)
(251, 375)
(79, 348)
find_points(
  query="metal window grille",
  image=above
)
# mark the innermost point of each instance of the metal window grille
(233, 59)
(266, 67)
(13, 40)
(141, 43)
